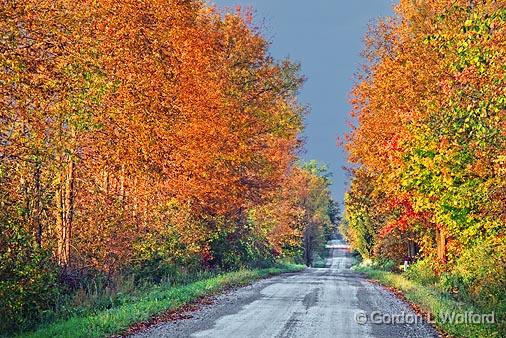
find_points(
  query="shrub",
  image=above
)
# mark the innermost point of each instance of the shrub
(422, 272)
(382, 264)
(163, 257)
(385, 264)
(476, 278)
(318, 261)
(479, 274)
(28, 279)
(392, 247)
(240, 247)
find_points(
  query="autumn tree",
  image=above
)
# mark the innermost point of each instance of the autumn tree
(144, 138)
(430, 135)
(302, 216)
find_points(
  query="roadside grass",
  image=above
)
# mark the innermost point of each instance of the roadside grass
(151, 302)
(436, 302)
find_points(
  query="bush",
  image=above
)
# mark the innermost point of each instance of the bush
(383, 264)
(29, 284)
(163, 257)
(319, 261)
(479, 275)
(392, 247)
(240, 247)
(422, 272)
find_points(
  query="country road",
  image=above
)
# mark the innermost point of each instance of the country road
(314, 303)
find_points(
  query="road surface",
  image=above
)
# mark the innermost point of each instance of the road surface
(325, 302)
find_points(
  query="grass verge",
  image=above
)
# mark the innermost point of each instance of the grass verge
(154, 301)
(439, 304)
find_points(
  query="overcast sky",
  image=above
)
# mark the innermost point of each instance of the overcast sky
(325, 36)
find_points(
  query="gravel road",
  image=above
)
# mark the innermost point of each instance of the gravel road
(323, 302)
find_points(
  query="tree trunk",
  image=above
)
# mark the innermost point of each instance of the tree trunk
(307, 241)
(105, 181)
(412, 248)
(122, 185)
(37, 208)
(441, 244)
(65, 212)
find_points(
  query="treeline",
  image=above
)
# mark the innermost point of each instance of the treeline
(148, 139)
(430, 147)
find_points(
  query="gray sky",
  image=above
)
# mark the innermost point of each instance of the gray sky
(325, 36)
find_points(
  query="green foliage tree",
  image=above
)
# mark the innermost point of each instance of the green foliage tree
(430, 144)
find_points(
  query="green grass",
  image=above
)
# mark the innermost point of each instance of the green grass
(104, 323)
(434, 301)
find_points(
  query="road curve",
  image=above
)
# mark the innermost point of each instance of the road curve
(314, 303)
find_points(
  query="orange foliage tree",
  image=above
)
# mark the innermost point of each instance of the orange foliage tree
(153, 139)
(140, 135)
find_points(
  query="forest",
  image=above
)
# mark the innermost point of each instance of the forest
(145, 142)
(428, 180)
